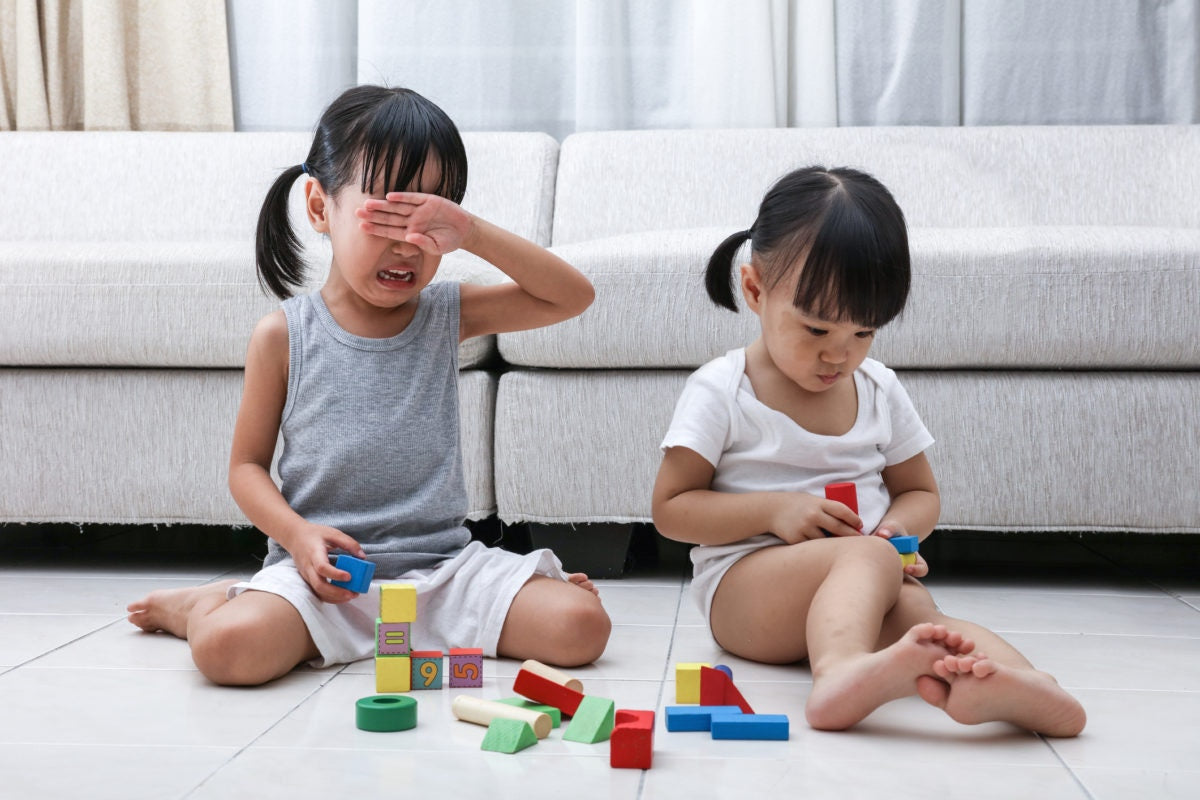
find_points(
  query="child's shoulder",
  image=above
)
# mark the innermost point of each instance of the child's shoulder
(882, 376)
(723, 372)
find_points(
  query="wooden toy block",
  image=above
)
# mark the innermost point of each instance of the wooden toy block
(360, 571)
(844, 493)
(485, 712)
(632, 743)
(383, 713)
(552, 674)
(592, 722)
(687, 683)
(543, 690)
(466, 667)
(393, 674)
(555, 714)
(426, 669)
(398, 602)
(725, 669)
(508, 736)
(908, 559)
(716, 689)
(695, 718)
(391, 638)
(750, 726)
(905, 544)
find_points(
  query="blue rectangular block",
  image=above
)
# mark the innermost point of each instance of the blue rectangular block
(905, 544)
(750, 726)
(695, 718)
(360, 571)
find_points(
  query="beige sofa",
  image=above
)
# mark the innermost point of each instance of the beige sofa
(1051, 339)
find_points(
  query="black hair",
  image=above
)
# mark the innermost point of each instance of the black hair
(842, 230)
(373, 133)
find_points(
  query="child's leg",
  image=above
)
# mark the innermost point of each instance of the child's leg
(993, 682)
(826, 600)
(248, 640)
(555, 622)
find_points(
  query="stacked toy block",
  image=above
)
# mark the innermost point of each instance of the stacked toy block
(398, 667)
(709, 701)
(847, 493)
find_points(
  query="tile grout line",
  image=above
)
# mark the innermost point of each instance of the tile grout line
(261, 734)
(662, 682)
(1058, 757)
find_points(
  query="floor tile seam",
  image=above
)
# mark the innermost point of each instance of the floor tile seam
(1059, 757)
(29, 663)
(118, 618)
(662, 681)
(243, 748)
(992, 591)
(1026, 631)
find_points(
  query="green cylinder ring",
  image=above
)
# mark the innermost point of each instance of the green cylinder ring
(385, 712)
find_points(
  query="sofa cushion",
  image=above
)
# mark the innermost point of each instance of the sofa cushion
(1020, 297)
(1033, 450)
(152, 304)
(617, 182)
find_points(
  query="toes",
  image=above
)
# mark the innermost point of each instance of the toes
(982, 668)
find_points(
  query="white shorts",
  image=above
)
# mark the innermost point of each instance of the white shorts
(461, 602)
(710, 563)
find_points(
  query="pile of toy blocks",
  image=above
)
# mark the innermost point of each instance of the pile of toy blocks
(709, 701)
(544, 697)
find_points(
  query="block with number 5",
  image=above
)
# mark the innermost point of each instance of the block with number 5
(466, 667)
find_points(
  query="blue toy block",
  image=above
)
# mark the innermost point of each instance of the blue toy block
(750, 726)
(905, 544)
(725, 669)
(360, 571)
(696, 718)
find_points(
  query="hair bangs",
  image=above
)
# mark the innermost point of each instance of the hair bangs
(398, 142)
(855, 268)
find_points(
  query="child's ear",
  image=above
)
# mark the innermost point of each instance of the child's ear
(752, 287)
(317, 206)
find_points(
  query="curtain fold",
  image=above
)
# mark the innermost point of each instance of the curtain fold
(115, 65)
(578, 65)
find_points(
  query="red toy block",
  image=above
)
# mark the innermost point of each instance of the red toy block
(466, 667)
(844, 493)
(544, 690)
(716, 689)
(632, 742)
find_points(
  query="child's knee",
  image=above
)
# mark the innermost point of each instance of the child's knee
(225, 655)
(584, 628)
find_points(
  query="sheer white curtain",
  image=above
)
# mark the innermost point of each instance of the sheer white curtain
(574, 65)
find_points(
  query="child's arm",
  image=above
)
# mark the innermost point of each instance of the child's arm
(254, 437)
(687, 510)
(546, 289)
(915, 506)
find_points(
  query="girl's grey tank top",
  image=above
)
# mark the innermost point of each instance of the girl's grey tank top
(370, 432)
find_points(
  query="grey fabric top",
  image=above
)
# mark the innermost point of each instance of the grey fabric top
(371, 432)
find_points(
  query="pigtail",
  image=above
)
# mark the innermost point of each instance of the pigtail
(718, 275)
(278, 253)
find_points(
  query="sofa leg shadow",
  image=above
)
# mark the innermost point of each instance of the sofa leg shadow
(599, 549)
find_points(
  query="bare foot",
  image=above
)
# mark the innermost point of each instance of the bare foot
(852, 688)
(978, 689)
(581, 580)
(168, 609)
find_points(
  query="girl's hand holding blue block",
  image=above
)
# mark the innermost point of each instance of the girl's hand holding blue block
(360, 572)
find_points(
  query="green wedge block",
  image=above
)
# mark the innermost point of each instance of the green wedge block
(508, 736)
(593, 722)
(521, 702)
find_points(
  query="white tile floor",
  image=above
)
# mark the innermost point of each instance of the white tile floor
(90, 707)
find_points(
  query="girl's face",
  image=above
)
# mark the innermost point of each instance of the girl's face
(814, 353)
(384, 272)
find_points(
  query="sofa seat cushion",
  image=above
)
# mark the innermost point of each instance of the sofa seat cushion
(151, 304)
(1027, 297)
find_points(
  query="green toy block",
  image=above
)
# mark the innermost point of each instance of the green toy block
(508, 736)
(521, 702)
(592, 722)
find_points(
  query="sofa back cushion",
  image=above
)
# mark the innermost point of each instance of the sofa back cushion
(624, 182)
(137, 248)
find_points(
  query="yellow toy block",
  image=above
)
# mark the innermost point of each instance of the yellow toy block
(908, 559)
(393, 674)
(687, 683)
(398, 602)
